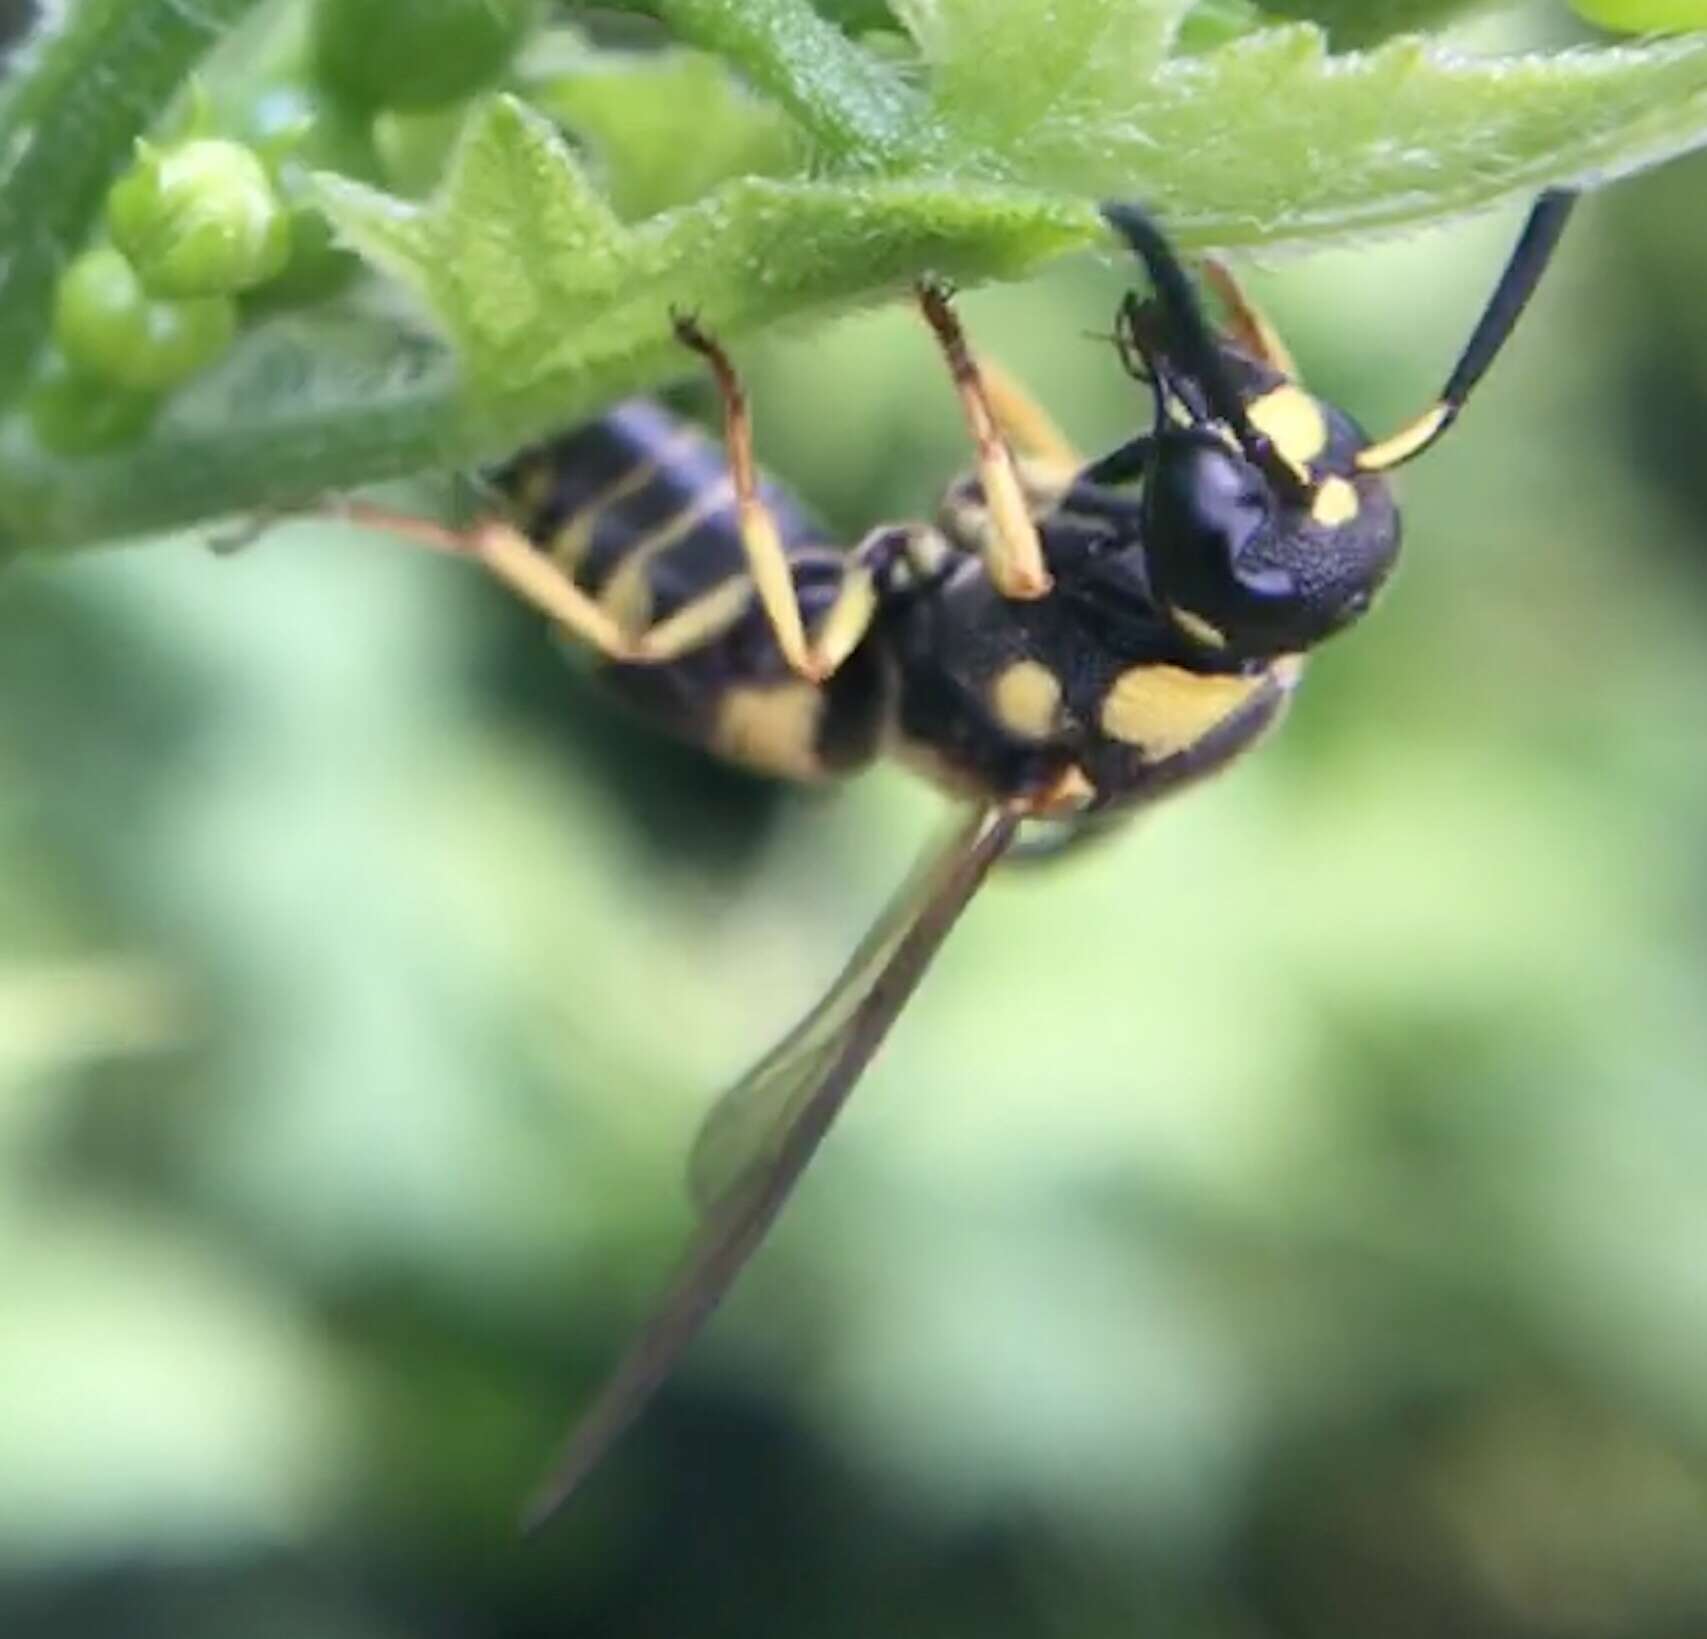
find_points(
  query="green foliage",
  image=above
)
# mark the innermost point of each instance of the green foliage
(788, 169)
(1364, 22)
(417, 53)
(553, 303)
(1639, 16)
(83, 91)
(664, 128)
(73, 413)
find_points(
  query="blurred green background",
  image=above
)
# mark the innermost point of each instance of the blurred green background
(1288, 1220)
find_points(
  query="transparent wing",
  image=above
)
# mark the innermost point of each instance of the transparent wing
(763, 1131)
(748, 1125)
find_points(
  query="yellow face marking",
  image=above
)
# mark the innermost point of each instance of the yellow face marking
(774, 730)
(1027, 699)
(1197, 628)
(1405, 443)
(1294, 423)
(1165, 709)
(1335, 502)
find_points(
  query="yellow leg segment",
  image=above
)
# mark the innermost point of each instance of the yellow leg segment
(768, 564)
(513, 559)
(1029, 427)
(537, 578)
(1016, 565)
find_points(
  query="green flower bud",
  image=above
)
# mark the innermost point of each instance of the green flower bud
(417, 53)
(1644, 16)
(110, 328)
(199, 219)
(73, 414)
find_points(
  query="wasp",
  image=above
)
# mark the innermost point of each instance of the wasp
(1067, 641)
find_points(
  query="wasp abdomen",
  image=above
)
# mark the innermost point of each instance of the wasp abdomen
(639, 509)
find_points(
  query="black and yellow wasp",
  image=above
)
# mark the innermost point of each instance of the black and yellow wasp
(1067, 641)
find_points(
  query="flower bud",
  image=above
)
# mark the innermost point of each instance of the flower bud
(201, 218)
(110, 328)
(416, 54)
(73, 414)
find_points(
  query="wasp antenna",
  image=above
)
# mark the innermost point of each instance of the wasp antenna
(1523, 270)
(1194, 340)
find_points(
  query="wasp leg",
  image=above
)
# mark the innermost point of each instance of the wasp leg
(1015, 552)
(1249, 325)
(512, 558)
(1030, 428)
(768, 564)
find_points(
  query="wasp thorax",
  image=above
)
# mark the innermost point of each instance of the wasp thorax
(1250, 569)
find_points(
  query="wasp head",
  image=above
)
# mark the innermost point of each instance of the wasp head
(1261, 535)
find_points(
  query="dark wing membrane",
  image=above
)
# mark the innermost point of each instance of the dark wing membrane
(763, 1131)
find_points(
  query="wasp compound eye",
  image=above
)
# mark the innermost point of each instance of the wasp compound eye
(1208, 511)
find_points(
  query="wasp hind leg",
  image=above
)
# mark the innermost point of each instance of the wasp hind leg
(534, 576)
(1248, 325)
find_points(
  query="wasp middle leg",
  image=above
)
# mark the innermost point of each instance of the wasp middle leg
(817, 658)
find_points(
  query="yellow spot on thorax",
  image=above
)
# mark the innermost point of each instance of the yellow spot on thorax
(1335, 502)
(1166, 710)
(1294, 423)
(774, 730)
(1027, 699)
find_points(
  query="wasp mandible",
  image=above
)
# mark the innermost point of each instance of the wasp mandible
(1068, 640)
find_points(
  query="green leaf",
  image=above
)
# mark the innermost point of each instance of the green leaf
(1212, 23)
(665, 127)
(320, 401)
(996, 73)
(1635, 16)
(554, 305)
(856, 107)
(81, 92)
(861, 171)
(1367, 22)
(1269, 140)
